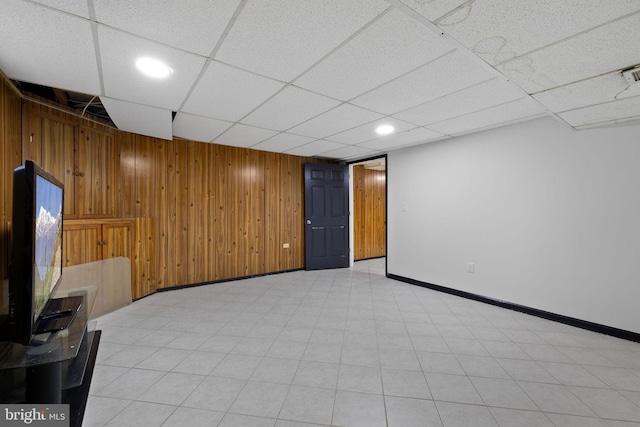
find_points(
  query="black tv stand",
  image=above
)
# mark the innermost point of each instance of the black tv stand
(57, 366)
(58, 314)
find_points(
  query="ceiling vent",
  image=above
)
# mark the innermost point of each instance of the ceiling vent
(632, 75)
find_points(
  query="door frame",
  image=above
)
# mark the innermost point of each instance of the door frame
(351, 164)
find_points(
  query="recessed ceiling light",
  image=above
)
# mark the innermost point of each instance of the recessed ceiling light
(385, 129)
(153, 67)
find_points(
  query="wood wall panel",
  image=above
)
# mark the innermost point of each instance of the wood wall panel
(126, 192)
(192, 228)
(98, 170)
(180, 238)
(143, 265)
(80, 245)
(164, 168)
(145, 176)
(211, 206)
(57, 155)
(297, 253)
(359, 210)
(219, 182)
(232, 261)
(199, 216)
(286, 211)
(369, 200)
(10, 158)
(272, 243)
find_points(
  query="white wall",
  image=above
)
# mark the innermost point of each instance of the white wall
(550, 217)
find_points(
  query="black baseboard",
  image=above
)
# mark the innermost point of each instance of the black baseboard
(583, 324)
(233, 279)
(370, 258)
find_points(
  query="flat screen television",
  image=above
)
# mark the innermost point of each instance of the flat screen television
(35, 265)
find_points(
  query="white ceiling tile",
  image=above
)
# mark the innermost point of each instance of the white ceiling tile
(244, 136)
(282, 38)
(195, 26)
(484, 95)
(140, 119)
(289, 108)
(447, 74)
(392, 46)
(350, 152)
(122, 80)
(491, 117)
(198, 128)
(634, 121)
(403, 139)
(596, 52)
(367, 131)
(433, 9)
(605, 88)
(339, 119)
(76, 7)
(227, 93)
(499, 30)
(283, 142)
(39, 45)
(315, 148)
(611, 111)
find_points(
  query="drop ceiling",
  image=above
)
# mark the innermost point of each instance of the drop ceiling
(315, 78)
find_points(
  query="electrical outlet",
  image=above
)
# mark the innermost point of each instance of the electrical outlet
(285, 245)
(403, 207)
(471, 267)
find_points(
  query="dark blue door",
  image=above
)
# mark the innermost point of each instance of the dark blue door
(326, 208)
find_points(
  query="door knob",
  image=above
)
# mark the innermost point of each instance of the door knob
(308, 222)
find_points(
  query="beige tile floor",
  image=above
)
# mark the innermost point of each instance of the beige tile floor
(350, 347)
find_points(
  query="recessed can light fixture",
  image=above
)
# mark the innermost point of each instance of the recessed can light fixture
(385, 129)
(153, 68)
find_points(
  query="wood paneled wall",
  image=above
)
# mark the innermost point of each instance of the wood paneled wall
(215, 212)
(369, 210)
(10, 157)
(200, 212)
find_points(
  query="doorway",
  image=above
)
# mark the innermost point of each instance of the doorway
(368, 207)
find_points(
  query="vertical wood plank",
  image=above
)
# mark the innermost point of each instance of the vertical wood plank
(235, 205)
(220, 227)
(272, 243)
(257, 210)
(211, 211)
(144, 251)
(145, 176)
(358, 212)
(161, 209)
(10, 157)
(192, 236)
(200, 213)
(181, 213)
(297, 216)
(31, 132)
(286, 210)
(171, 258)
(127, 196)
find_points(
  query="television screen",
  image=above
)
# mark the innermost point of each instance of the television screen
(35, 266)
(48, 242)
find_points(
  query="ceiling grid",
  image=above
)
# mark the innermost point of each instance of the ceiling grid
(316, 78)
